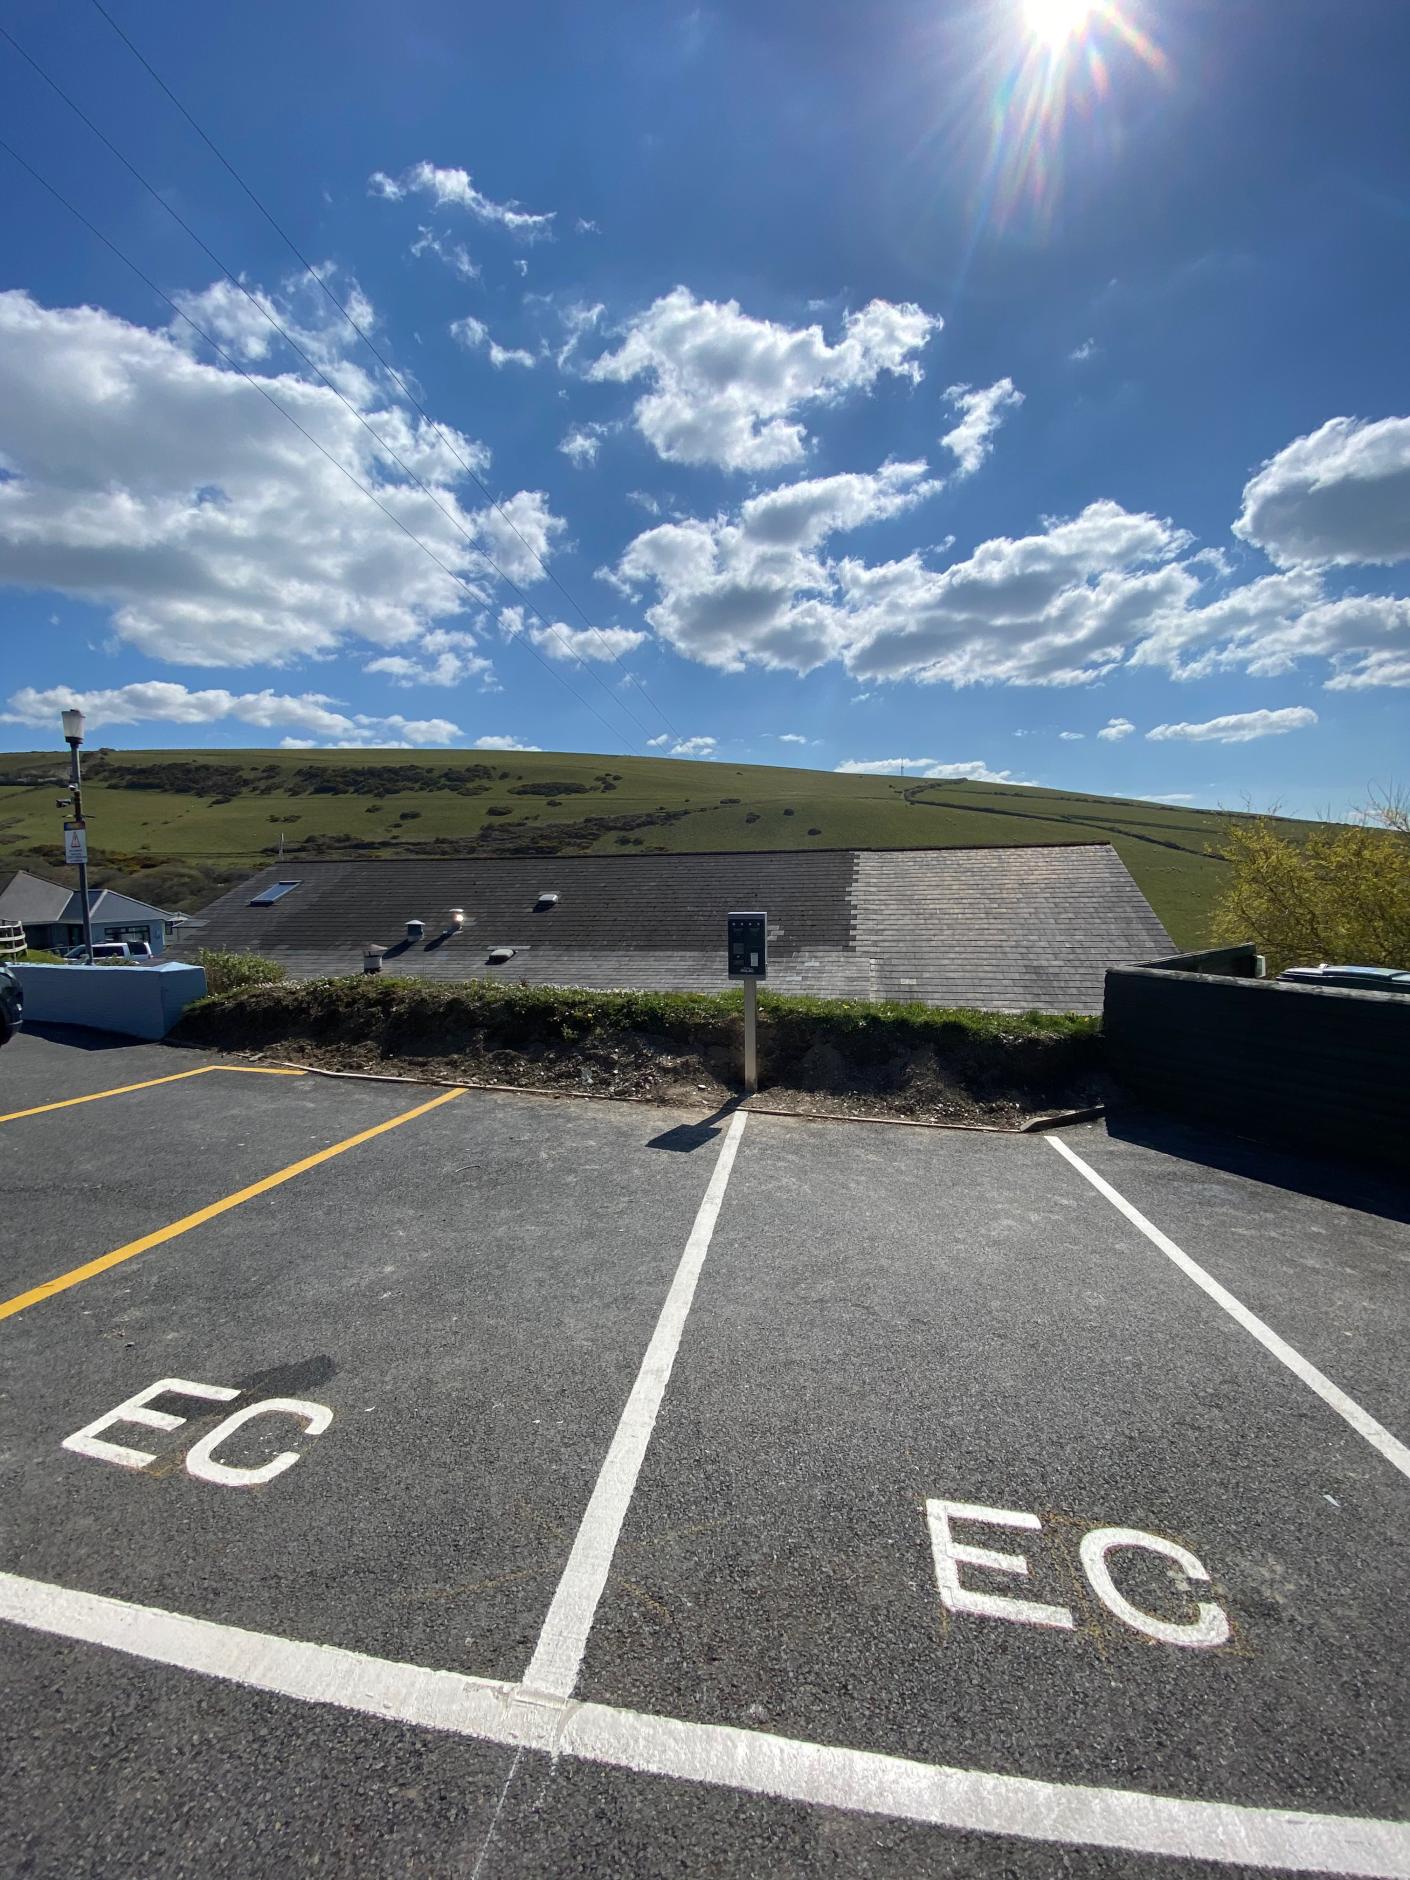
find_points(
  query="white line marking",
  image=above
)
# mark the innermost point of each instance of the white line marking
(558, 1656)
(760, 1764)
(1394, 1451)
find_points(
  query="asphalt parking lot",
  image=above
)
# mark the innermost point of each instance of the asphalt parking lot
(403, 1481)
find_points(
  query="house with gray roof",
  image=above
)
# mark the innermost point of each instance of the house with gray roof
(1001, 929)
(52, 915)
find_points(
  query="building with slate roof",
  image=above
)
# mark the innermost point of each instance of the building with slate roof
(1004, 929)
(52, 916)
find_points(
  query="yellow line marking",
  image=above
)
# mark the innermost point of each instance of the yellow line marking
(121, 1091)
(258, 1070)
(250, 1070)
(202, 1215)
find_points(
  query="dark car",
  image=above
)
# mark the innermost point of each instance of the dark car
(1350, 978)
(11, 1005)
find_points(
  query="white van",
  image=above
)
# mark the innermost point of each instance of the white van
(112, 950)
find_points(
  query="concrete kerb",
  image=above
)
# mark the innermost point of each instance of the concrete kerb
(1059, 1119)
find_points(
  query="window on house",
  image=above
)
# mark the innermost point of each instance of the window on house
(275, 892)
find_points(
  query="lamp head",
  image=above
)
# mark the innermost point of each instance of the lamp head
(73, 725)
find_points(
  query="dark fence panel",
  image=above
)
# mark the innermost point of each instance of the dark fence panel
(1303, 1066)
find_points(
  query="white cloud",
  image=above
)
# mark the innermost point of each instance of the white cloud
(147, 480)
(656, 743)
(927, 767)
(694, 747)
(579, 318)
(1087, 350)
(1115, 729)
(454, 254)
(981, 414)
(446, 658)
(1175, 796)
(521, 534)
(752, 587)
(1340, 495)
(791, 737)
(597, 643)
(1071, 737)
(560, 641)
(159, 701)
(474, 336)
(1052, 609)
(582, 443)
(1062, 606)
(584, 225)
(521, 265)
(453, 189)
(1268, 625)
(726, 388)
(1240, 727)
(245, 321)
(503, 744)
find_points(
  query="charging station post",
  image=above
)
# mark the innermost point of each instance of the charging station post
(747, 952)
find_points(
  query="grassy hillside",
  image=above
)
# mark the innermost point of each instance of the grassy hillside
(179, 824)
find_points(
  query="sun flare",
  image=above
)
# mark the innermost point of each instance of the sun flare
(1054, 22)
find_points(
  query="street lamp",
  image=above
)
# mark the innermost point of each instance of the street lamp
(75, 831)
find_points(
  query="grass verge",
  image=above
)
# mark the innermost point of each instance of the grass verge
(847, 1056)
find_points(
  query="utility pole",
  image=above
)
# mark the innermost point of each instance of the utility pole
(75, 830)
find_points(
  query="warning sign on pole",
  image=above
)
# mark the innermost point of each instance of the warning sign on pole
(75, 843)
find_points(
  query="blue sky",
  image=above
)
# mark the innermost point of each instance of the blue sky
(1013, 388)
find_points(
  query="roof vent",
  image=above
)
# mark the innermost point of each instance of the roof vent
(499, 955)
(415, 929)
(546, 898)
(457, 919)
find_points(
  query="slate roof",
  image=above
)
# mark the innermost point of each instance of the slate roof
(107, 904)
(1004, 929)
(27, 898)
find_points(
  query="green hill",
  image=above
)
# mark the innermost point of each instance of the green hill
(178, 825)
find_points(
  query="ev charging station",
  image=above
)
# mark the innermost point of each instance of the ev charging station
(748, 959)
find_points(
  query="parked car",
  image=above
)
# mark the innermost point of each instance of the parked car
(11, 1005)
(1350, 978)
(112, 950)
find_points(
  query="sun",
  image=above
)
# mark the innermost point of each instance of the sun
(1054, 22)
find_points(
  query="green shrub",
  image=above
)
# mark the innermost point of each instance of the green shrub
(988, 1054)
(40, 956)
(234, 972)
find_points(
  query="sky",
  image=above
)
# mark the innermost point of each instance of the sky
(1015, 388)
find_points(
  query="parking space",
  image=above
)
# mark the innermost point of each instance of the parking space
(81, 1182)
(1320, 1251)
(467, 1298)
(42, 1066)
(555, 1487)
(975, 1332)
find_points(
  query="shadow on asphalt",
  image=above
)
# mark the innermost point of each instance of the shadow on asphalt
(1345, 1184)
(686, 1137)
(79, 1038)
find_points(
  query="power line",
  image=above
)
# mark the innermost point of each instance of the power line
(259, 305)
(377, 354)
(269, 398)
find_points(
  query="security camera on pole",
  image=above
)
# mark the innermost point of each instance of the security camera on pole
(75, 830)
